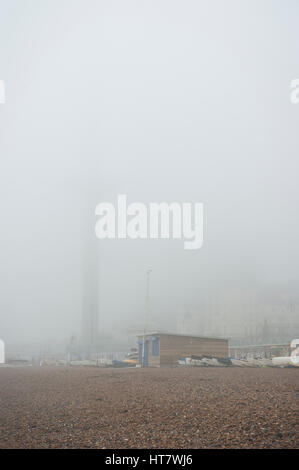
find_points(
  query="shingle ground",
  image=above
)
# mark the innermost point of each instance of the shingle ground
(84, 407)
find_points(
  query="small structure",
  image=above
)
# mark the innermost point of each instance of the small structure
(165, 349)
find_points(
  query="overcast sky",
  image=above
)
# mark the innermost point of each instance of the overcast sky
(162, 100)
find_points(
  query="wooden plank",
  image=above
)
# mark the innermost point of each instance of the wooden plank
(174, 347)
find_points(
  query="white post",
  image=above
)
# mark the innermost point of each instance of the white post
(2, 91)
(2, 352)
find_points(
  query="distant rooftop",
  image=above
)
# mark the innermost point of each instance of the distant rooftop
(169, 333)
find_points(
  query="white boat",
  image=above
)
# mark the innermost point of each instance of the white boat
(292, 360)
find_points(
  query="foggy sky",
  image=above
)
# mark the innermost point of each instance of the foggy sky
(160, 100)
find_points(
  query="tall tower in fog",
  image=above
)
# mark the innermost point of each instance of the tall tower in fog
(90, 282)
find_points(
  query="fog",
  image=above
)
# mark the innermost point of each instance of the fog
(161, 101)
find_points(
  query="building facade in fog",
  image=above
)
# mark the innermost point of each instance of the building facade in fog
(262, 317)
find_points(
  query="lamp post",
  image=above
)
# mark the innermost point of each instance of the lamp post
(145, 313)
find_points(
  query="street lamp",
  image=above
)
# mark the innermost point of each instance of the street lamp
(145, 313)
